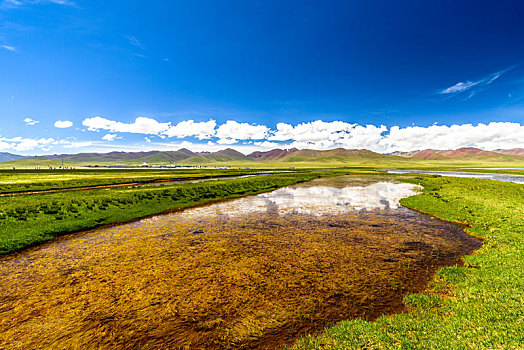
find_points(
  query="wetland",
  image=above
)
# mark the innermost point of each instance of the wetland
(253, 272)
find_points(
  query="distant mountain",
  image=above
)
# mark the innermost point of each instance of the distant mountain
(513, 151)
(271, 155)
(5, 157)
(126, 157)
(465, 152)
(308, 157)
(334, 155)
(226, 155)
(402, 154)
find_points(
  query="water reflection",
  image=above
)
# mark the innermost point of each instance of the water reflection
(318, 199)
(519, 179)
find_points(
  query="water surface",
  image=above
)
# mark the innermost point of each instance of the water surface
(499, 177)
(255, 272)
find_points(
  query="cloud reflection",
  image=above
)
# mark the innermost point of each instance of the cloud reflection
(316, 200)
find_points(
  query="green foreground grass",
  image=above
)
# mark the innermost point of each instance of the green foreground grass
(478, 306)
(31, 220)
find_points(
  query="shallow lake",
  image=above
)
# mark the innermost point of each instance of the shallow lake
(499, 177)
(254, 272)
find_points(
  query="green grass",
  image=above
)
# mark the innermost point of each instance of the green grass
(478, 306)
(33, 219)
(12, 181)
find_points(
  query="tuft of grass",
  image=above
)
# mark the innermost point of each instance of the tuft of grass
(478, 306)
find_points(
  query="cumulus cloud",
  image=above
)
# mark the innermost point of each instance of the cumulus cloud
(227, 141)
(109, 137)
(29, 121)
(241, 131)
(142, 125)
(187, 128)
(310, 132)
(487, 136)
(325, 135)
(63, 124)
(25, 144)
(321, 135)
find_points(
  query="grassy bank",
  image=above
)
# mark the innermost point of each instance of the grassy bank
(478, 306)
(30, 220)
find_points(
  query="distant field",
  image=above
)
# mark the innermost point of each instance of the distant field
(12, 181)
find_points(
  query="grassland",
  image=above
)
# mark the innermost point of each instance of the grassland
(13, 181)
(476, 306)
(31, 220)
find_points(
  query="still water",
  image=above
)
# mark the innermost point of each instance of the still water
(499, 177)
(254, 272)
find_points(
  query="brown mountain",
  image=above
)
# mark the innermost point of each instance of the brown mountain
(271, 155)
(451, 154)
(340, 154)
(512, 152)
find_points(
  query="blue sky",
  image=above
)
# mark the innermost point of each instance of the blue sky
(82, 76)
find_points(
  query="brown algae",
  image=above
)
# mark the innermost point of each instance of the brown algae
(255, 272)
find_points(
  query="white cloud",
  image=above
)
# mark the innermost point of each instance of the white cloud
(312, 131)
(187, 128)
(63, 124)
(17, 3)
(464, 86)
(8, 48)
(227, 141)
(267, 145)
(326, 135)
(241, 131)
(319, 134)
(76, 144)
(459, 87)
(25, 144)
(109, 137)
(142, 125)
(29, 121)
(134, 41)
(486, 136)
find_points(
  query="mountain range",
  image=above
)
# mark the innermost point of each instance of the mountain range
(5, 157)
(293, 155)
